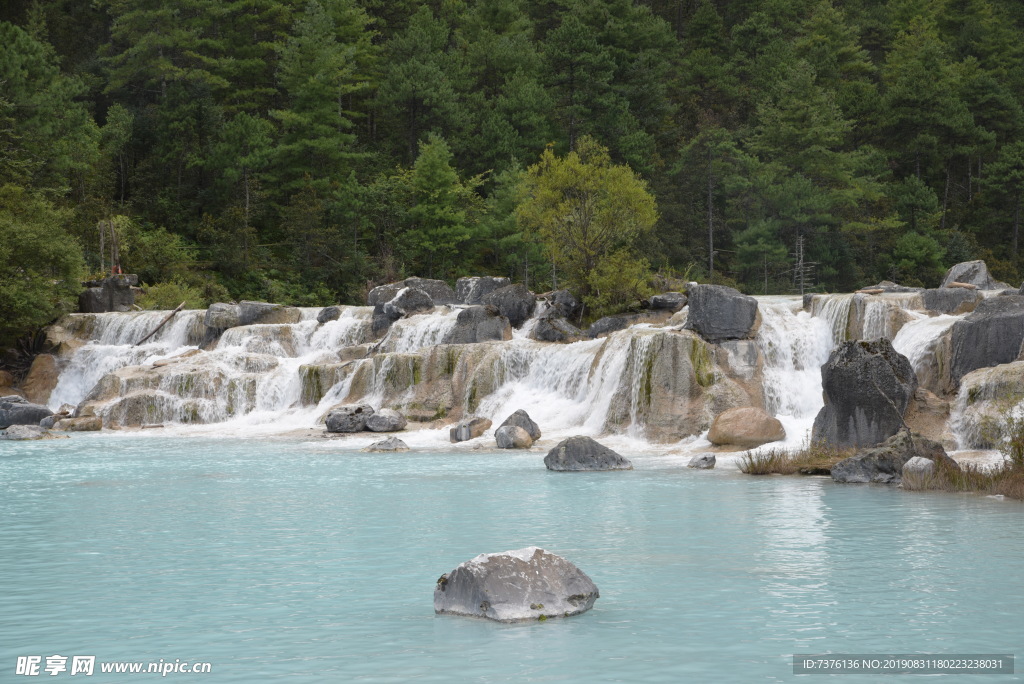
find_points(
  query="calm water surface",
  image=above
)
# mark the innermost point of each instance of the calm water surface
(306, 562)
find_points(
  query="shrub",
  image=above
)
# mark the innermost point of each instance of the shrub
(170, 294)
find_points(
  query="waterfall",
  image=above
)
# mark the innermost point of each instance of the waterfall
(835, 311)
(917, 339)
(795, 345)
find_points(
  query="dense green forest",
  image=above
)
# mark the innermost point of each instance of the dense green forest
(302, 151)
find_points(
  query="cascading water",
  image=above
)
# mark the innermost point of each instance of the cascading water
(795, 345)
(917, 339)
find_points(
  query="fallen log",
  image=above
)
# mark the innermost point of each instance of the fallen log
(157, 328)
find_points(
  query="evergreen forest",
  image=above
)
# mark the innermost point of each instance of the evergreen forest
(304, 151)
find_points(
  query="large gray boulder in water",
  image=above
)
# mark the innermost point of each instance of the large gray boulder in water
(515, 302)
(386, 420)
(16, 411)
(473, 290)
(515, 586)
(440, 292)
(884, 464)
(951, 300)
(408, 301)
(555, 329)
(252, 313)
(719, 313)
(350, 418)
(867, 387)
(391, 444)
(522, 419)
(479, 324)
(583, 453)
(972, 273)
(512, 437)
(990, 335)
(328, 313)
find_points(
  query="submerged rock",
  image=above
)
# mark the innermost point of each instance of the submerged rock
(581, 453)
(884, 464)
(386, 420)
(972, 273)
(391, 444)
(867, 387)
(522, 419)
(469, 429)
(720, 313)
(351, 418)
(515, 302)
(473, 290)
(747, 426)
(479, 324)
(28, 432)
(14, 410)
(991, 335)
(513, 586)
(512, 437)
(702, 462)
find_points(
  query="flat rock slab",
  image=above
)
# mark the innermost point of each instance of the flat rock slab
(515, 586)
(583, 453)
(28, 432)
(391, 444)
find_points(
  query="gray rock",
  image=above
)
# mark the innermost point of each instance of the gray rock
(610, 324)
(583, 453)
(391, 444)
(13, 399)
(328, 313)
(382, 320)
(440, 292)
(386, 420)
(21, 413)
(113, 293)
(48, 422)
(702, 462)
(221, 316)
(479, 324)
(252, 313)
(512, 437)
(515, 302)
(867, 387)
(28, 432)
(471, 428)
(670, 301)
(951, 300)
(408, 301)
(884, 464)
(973, 273)
(918, 465)
(889, 286)
(513, 586)
(522, 419)
(562, 304)
(720, 313)
(474, 290)
(988, 336)
(554, 329)
(350, 418)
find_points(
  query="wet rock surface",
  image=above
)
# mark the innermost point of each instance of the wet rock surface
(867, 387)
(515, 586)
(719, 313)
(584, 454)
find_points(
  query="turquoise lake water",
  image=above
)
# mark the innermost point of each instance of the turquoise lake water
(283, 559)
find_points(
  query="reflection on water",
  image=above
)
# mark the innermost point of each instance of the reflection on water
(307, 561)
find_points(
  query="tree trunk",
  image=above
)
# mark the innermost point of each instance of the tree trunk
(945, 200)
(1016, 222)
(711, 217)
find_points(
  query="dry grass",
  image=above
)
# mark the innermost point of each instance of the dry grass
(815, 459)
(1006, 479)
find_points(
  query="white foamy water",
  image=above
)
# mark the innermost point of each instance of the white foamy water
(917, 339)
